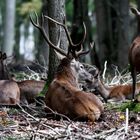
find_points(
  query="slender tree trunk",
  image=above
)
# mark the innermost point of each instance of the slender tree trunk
(123, 39)
(104, 30)
(9, 27)
(80, 15)
(112, 28)
(42, 46)
(56, 10)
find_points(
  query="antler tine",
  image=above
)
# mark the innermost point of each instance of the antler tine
(42, 30)
(67, 32)
(78, 54)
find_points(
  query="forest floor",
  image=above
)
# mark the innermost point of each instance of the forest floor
(32, 123)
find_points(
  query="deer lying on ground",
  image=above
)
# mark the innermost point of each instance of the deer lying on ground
(9, 90)
(64, 94)
(134, 55)
(112, 93)
(29, 90)
(4, 75)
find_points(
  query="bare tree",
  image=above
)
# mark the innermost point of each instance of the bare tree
(9, 27)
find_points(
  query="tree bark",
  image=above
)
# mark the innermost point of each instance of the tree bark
(9, 27)
(56, 10)
(122, 23)
(104, 30)
(42, 46)
(112, 28)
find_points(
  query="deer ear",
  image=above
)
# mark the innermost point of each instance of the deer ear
(4, 56)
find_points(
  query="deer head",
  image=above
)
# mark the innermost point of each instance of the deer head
(4, 75)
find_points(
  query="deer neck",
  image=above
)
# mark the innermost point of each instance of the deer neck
(68, 75)
(103, 90)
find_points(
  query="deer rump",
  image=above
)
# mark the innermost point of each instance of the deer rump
(9, 92)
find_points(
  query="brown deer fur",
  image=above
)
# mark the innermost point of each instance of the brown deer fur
(65, 97)
(29, 89)
(9, 92)
(134, 55)
(64, 94)
(115, 93)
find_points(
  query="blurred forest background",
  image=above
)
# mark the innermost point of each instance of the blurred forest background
(109, 23)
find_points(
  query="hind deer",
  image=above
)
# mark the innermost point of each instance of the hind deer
(111, 93)
(64, 94)
(9, 90)
(29, 90)
(134, 55)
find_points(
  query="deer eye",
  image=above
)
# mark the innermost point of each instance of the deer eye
(81, 66)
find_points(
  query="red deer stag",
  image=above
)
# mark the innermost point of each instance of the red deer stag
(134, 55)
(64, 94)
(111, 93)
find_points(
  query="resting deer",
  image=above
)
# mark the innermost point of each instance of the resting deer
(4, 74)
(64, 94)
(9, 90)
(112, 93)
(29, 90)
(134, 55)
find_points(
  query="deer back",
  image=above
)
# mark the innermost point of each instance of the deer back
(29, 90)
(9, 92)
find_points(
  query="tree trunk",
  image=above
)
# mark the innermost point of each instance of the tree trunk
(80, 15)
(42, 46)
(56, 10)
(122, 23)
(9, 27)
(112, 28)
(104, 30)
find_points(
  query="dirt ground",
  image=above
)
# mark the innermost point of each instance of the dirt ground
(32, 123)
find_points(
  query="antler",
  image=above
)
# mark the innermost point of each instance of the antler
(72, 50)
(42, 30)
(78, 54)
(72, 46)
(67, 32)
